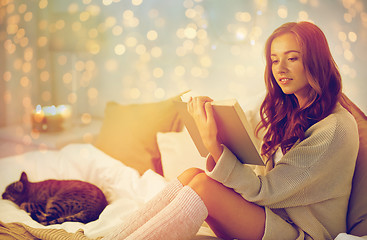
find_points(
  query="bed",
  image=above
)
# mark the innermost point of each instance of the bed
(140, 147)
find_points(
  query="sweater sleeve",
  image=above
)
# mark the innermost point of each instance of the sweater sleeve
(318, 168)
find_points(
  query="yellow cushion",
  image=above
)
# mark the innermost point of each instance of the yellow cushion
(128, 132)
(357, 212)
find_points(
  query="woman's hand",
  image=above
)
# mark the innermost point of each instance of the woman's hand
(201, 110)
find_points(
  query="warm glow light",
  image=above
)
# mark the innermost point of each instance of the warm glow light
(86, 118)
(90, 65)
(180, 71)
(352, 36)
(12, 29)
(27, 67)
(140, 49)
(28, 54)
(196, 71)
(24, 82)
(107, 2)
(46, 96)
(42, 41)
(110, 22)
(7, 97)
(152, 35)
(93, 47)
(348, 55)
(117, 30)
(137, 2)
(73, 8)
(158, 72)
(62, 60)
(128, 14)
(243, 16)
(44, 76)
(131, 41)
(76, 26)
(199, 50)
(42, 4)
(156, 52)
(135, 93)
(76, 51)
(92, 93)
(84, 16)
(348, 17)
(303, 16)
(206, 61)
(342, 36)
(28, 16)
(7, 76)
(67, 78)
(22, 8)
(93, 33)
(190, 33)
(79, 66)
(190, 13)
(283, 11)
(120, 49)
(72, 98)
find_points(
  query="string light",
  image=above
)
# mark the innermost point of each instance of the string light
(89, 43)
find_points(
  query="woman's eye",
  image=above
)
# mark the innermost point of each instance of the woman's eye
(293, 59)
(274, 61)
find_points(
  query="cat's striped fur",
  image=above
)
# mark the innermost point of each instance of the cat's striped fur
(57, 201)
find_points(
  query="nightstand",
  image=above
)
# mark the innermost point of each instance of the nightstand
(18, 139)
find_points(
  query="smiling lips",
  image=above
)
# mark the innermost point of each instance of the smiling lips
(284, 80)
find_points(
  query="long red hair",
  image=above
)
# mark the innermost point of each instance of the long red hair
(283, 119)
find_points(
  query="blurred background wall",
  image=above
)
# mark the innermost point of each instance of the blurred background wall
(88, 52)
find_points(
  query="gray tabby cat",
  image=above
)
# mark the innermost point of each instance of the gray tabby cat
(57, 201)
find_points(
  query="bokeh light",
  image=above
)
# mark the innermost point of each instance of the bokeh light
(88, 52)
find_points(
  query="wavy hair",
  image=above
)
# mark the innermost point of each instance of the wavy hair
(284, 121)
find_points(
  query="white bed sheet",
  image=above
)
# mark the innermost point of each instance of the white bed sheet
(124, 188)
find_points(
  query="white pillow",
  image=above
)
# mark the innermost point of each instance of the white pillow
(178, 153)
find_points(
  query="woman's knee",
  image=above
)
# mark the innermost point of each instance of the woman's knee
(203, 184)
(188, 175)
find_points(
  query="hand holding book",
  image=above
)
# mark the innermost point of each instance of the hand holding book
(201, 110)
(224, 123)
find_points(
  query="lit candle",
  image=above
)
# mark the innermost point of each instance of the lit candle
(51, 118)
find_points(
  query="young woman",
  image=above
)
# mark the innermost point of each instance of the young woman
(309, 145)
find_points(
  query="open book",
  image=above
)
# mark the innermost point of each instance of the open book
(234, 130)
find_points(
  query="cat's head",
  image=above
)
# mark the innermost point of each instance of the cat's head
(16, 191)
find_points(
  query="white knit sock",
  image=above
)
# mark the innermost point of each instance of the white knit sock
(147, 211)
(181, 219)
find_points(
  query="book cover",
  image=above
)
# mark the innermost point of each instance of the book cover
(233, 130)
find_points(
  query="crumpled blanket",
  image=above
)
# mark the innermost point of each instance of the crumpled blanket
(20, 231)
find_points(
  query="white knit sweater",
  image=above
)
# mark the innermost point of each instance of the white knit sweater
(306, 194)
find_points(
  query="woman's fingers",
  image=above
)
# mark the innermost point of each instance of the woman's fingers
(209, 111)
(196, 105)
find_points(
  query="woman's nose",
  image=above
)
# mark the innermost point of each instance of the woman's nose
(282, 66)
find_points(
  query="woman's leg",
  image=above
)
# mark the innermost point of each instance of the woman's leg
(229, 214)
(179, 220)
(147, 211)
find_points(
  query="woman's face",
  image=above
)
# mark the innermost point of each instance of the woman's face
(287, 67)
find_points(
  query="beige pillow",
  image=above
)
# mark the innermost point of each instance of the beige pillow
(357, 213)
(129, 132)
(178, 153)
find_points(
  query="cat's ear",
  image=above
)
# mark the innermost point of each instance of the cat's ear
(18, 186)
(23, 177)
